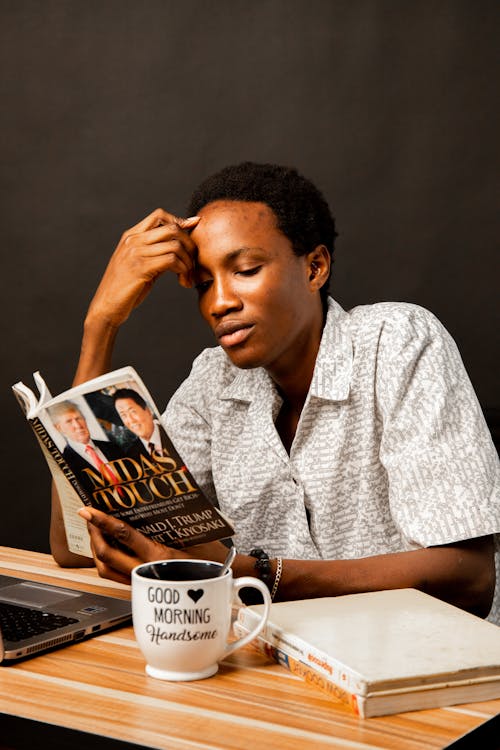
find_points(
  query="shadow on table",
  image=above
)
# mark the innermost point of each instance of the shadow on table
(20, 734)
(484, 737)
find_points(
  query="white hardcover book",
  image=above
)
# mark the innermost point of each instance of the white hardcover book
(397, 650)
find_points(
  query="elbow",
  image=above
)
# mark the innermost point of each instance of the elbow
(66, 559)
(62, 559)
(470, 578)
(479, 585)
(481, 591)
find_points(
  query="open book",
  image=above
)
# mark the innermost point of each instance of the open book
(383, 652)
(106, 447)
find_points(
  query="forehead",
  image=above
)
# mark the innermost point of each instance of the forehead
(227, 226)
(70, 414)
(127, 403)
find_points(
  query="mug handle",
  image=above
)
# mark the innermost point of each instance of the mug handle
(255, 583)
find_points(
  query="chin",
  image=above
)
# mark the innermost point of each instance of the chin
(244, 360)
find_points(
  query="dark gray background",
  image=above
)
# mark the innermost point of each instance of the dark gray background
(111, 108)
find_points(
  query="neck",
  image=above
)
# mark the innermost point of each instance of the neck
(293, 377)
(294, 387)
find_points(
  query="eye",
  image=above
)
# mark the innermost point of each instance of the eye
(249, 271)
(202, 286)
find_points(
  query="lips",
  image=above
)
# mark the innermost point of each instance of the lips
(232, 332)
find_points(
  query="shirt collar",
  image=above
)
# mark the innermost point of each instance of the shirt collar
(332, 372)
(80, 447)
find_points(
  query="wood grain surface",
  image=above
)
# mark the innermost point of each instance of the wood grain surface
(99, 686)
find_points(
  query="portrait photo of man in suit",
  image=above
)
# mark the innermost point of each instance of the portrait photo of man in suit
(138, 418)
(82, 452)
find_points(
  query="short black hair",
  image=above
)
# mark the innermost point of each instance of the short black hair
(129, 393)
(302, 213)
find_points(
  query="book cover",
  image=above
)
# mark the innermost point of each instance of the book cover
(106, 447)
(397, 650)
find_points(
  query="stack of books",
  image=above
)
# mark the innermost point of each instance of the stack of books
(383, 652)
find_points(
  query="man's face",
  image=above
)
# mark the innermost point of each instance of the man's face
(135, 417)
(73, 425)
(253, 289)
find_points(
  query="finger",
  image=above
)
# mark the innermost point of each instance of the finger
(190, 223)
(139, 545)
(163, 240)
(160, 217)
(105, 571)
(164, 233)
(111, 561)
(169, 256)
(163, 258)
(154, 219)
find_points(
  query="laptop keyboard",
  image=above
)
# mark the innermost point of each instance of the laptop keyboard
(18, 623)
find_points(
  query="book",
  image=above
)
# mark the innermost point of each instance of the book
(299, 668)
(106, 447)
(383, 652)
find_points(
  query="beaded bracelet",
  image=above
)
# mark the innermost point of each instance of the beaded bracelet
(262, 565)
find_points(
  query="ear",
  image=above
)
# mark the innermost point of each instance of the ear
(318, 266)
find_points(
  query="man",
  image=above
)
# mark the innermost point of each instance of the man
(138, 418)
(81, 452)
(348, 448)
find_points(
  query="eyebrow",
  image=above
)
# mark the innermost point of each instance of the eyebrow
(241, 251)
(234, 254)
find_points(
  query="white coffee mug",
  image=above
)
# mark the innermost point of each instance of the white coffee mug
(181, 613)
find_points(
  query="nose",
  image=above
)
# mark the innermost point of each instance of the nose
(223, 298)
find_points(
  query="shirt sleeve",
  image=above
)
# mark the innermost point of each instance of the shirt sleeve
(443, 469)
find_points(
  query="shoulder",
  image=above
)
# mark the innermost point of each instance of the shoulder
(407, 346)
(394, 327)
(394, 317)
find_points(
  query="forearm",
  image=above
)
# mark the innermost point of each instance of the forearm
(96, 351)
(160, 243)
(462, 574)
(95, 359)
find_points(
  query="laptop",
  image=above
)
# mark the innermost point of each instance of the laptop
(36, 617)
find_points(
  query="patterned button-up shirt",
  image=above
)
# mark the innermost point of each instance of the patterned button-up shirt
(391, 452)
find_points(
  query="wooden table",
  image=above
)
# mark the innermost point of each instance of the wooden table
(99, 686)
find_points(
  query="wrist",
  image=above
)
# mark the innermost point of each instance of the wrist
(98, 321)
(267, 569)
(96, 349)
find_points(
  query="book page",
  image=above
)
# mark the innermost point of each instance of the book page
(75, 526)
